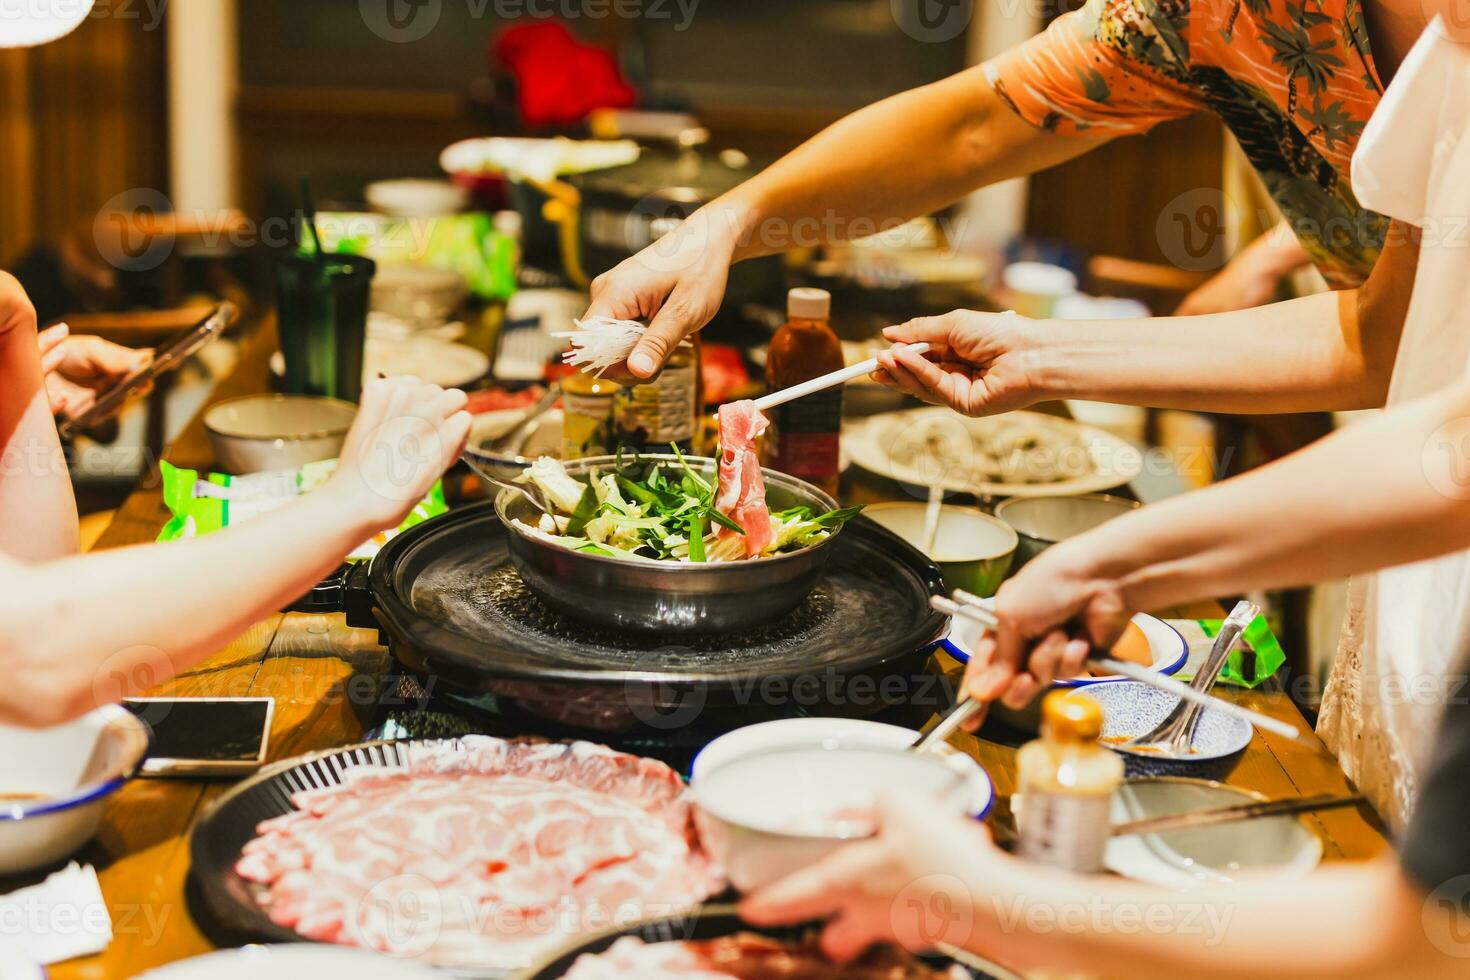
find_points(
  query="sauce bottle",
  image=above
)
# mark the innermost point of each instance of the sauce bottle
(587, 416)
(804, 435)
(1066, 781)
(656, 413)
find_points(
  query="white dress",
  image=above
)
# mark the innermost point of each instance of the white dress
(1407, 627)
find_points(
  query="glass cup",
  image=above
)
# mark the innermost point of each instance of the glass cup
(321, 309)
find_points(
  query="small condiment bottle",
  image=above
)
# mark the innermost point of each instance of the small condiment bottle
(1066, 781)
(803, 439)
(664, 411)
(587, 416)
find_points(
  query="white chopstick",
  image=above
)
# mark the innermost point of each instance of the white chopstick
(1143, 675)
(841, 377)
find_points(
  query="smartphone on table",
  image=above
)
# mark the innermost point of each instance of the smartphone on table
(205, 736)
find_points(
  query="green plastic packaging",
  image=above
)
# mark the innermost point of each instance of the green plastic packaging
(1260, 645)
(203, 503)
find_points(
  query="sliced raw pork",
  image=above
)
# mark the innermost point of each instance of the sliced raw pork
(742, 491)
(482, 852)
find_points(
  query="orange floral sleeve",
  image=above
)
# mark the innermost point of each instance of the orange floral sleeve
(1105, 68)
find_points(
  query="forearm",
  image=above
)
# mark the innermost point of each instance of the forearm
(1302, 355)
(1345, 921)
(1382, 492)
(905, 156)
(38, 514)
(102, 624)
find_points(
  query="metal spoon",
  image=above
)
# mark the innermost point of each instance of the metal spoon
(530, 491)
(1175, 734)
(512, 442)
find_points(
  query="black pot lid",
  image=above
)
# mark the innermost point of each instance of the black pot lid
(690, 177)
(448, 590)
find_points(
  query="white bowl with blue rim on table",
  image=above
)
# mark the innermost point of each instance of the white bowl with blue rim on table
(779, 795)
(54, 781)
(1147, 640)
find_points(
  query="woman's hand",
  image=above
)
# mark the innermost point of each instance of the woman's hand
(678, 282)
(77, 369)
(406, 434)
(1053, 614)
(977, 363)
(904, 886)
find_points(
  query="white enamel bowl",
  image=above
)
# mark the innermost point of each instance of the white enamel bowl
(758, 788)
(71, 769)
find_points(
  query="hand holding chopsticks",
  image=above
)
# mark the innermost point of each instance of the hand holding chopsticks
(977, 609)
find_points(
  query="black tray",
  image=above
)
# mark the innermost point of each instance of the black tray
(709, 922)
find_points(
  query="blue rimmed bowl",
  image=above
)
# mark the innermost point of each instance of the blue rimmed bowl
(1131, 709)
(1147, 639)
(54, 781)
(745, 817)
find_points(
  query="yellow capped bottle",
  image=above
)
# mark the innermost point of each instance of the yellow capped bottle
(1066, 782)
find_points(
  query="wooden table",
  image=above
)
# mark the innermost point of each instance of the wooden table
(322, 674)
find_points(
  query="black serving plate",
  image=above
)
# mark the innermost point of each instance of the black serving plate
(708, 922)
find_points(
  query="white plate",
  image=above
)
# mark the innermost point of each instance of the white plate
(868, 442)
(292, 961)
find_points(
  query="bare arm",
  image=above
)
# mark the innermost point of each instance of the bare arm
(930, 877)
(905, 156)
(38, 514)
(83, 630)
(1385, 491)
(1328, 352)
(1252, 277)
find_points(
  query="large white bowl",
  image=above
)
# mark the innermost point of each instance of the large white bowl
(743, 827)
(72, 768)
(260, 433)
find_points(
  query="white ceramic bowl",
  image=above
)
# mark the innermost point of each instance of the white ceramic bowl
(259, 433)
(755, 788)
(69, 770)
(972, 549)
(1281, 846)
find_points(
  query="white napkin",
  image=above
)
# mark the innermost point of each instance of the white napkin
(62, 917)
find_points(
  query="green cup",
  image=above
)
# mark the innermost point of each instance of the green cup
(321, 310)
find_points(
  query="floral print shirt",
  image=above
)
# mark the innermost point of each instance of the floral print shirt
(1294, 80)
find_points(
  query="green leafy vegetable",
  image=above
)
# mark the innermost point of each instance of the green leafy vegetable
(655, 510)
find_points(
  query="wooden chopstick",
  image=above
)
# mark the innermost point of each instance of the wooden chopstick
(1230, 814)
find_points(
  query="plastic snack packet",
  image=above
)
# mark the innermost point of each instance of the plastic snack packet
(209, 502)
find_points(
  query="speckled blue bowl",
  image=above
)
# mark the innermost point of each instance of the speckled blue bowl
(1130, 709)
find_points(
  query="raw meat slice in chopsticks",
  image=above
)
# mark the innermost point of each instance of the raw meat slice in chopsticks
(742, 491)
